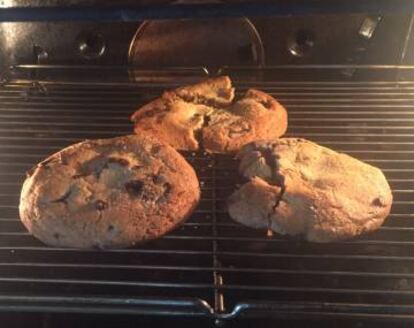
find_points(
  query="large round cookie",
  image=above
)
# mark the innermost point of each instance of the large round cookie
(205, 115)
(108, 193)
(297, 187)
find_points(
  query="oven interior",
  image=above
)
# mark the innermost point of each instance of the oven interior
(357, 98)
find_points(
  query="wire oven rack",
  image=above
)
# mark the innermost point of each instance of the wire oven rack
(211, 266)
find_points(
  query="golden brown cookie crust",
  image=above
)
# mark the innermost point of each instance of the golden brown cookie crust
(300, 188)
(206, 115)
(108, 193)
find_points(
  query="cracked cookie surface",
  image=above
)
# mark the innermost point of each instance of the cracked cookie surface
(297, 187)
(108, 193)
(206, 115)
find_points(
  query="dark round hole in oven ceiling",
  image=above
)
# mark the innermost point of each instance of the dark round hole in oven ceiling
(91, 45)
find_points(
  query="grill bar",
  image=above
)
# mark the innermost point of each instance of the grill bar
(201, 268)
(105, 305)
(208, 253)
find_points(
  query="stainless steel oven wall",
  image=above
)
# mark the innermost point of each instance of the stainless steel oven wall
(331, 39)
(61, 43)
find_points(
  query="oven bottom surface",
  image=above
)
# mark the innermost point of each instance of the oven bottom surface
(211, 266)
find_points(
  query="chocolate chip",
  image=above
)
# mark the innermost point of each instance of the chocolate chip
(155, 149)
(167, 189)
(187, 97)
(111, 227)
(378, 202)
(198, 99)
(100, 205)
(117, 160)
(146, 197)
(135, 188)
(137, 167)
(266, 103)
(195, 117)
(56, 235)
(98, 172)
(158, 179)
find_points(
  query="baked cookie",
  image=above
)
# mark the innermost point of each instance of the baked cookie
(204, 115)
(108, 193)
(297, 187)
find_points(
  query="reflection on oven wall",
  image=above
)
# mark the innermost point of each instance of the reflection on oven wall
(64, 43)
(331, 39)
(61, 43)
